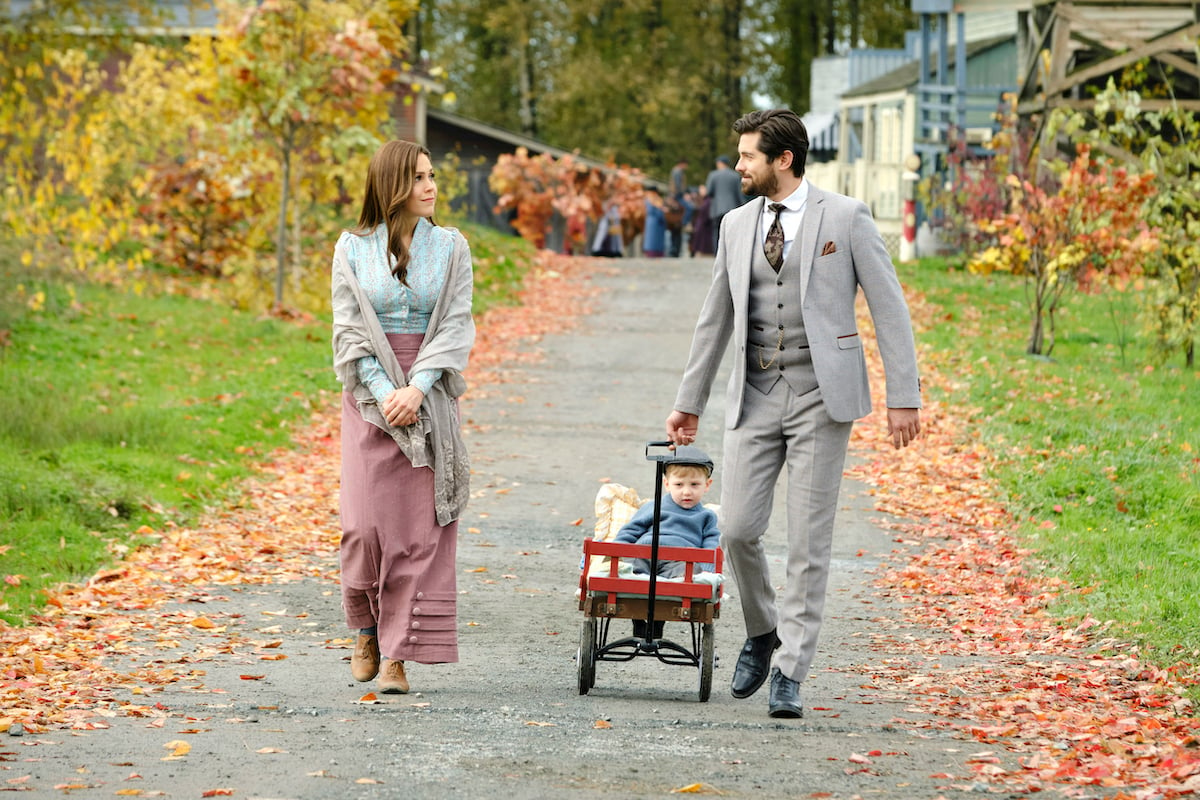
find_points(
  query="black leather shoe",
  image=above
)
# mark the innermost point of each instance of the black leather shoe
(750, 672)
(784, 700)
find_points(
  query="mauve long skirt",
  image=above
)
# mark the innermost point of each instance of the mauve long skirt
(398, 569)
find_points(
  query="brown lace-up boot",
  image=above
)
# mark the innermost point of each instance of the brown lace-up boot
(393, 680)
(364, 664)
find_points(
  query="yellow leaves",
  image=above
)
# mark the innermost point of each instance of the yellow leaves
(696, 788)
(179, 749)
(206, 624)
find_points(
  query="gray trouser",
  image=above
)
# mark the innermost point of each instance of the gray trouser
(778, 428)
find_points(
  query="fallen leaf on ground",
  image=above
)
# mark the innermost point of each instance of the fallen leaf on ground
(178, 748)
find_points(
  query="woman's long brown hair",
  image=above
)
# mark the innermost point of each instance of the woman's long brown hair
(390, 178)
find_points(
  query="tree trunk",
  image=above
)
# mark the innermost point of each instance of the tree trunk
(803, 44)
(1036, 333)
(731, 27)
(281, 230)
(830, 28)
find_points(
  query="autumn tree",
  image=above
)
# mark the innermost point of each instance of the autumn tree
(974, 190)
(62, 206)
(538, 187)
(301, 74)
(1166, 144)
(1086, 232)
(128, 152)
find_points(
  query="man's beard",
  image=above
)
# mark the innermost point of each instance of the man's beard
(764, 188)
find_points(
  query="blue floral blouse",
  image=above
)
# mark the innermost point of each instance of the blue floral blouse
(401, 309)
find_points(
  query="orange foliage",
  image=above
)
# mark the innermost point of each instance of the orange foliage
(538, 187)
(200, 210)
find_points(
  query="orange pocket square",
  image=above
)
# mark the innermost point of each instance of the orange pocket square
(829, 249)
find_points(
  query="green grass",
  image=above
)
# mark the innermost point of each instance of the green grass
(499, 262)
(1092, 441)
(118, 411)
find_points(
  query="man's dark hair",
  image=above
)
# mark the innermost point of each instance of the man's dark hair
(779, 129)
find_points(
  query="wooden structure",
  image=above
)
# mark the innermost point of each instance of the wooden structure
(1072, 47)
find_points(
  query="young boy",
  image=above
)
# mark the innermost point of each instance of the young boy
(683, 520)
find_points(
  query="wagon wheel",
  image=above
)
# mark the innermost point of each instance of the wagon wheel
(587, 655)
(708, 637)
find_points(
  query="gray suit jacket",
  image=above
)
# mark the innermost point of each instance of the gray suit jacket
(856, 256)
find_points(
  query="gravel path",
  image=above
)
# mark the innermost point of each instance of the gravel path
(508, 720)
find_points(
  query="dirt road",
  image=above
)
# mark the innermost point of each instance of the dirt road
(508, 720)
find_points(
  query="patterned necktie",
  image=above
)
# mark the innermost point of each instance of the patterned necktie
(773, 244)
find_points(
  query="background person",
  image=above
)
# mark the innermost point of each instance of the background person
(654, 233)
(724, 188)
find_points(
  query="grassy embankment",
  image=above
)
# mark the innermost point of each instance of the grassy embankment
(1098, 453)
(119, 411)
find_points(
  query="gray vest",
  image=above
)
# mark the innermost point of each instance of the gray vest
(777, 346)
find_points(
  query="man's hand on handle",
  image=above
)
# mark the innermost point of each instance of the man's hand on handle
(903, 425)
(681, 427)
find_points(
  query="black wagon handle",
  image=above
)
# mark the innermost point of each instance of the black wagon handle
(657, 452)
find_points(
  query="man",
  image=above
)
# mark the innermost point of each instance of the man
(679, 179)
(679, 210)
(786, 291)
(724, 188)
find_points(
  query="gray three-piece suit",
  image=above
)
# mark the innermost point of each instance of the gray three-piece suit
(799, 380)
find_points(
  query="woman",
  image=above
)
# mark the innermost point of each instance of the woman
(654, 236)
(402, 332)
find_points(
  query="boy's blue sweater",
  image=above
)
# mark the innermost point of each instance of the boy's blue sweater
(677, 526)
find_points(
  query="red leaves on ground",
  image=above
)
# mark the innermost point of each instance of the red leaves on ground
(1078, 709)
(554, 298)
(112, 634)
(1074, 710)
